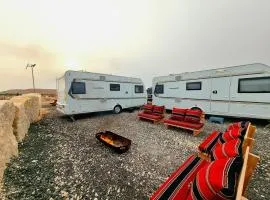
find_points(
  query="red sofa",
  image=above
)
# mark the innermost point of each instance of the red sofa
(152, 112)
(224, 176)
(186, 119)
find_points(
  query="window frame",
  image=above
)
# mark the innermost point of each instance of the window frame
(74, 92)
(140, 86)
(114, 84)
(156, 89)
(199, 82)
(252, 78)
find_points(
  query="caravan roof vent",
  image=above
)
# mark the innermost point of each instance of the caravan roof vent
(178, 78)
(102, 78)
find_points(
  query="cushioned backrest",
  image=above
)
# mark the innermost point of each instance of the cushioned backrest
(229, 149)
(234, 125)
(178, 114)
(217, 180)
(148, 108)
(233, 133)
(242, 125)
(193, 116)
(159, 109)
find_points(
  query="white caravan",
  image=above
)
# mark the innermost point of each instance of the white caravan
(84, 92)
(240, 91)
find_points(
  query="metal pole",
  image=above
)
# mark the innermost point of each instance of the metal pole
(33, 78)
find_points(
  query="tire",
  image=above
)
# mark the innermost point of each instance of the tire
(117, 109)
(196, 108)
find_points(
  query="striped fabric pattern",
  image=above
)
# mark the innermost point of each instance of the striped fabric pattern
(218, 180)
(210, 142)
(148, 108)
(159, 109)
(193, 116)
(231, 134)
(178, 114)
(177, 185)
(229, 149)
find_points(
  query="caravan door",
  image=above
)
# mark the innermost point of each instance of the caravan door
(220, 95)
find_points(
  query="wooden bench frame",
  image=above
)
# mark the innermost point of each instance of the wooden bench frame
(153, 120)
(249, 165)
(195, 131)
(150, 119)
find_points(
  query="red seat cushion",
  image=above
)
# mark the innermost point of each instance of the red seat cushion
(229, 149)
(178, 114)
(193, 116)
(218, 180)
(210, 142)
(183, 124)
(151, 116)
(159, 109)
(177, 185)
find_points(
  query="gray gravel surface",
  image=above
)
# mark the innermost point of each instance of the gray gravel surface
(61, 159)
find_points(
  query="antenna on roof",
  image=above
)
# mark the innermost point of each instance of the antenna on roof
(33, 78)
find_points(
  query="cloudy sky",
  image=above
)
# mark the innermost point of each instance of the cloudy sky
(141, 38)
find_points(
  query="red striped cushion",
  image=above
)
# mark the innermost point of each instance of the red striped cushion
(234, 125)
(229, 149)
(193, 116)
(218, 180)
(242, 124)
(178, 114)
(177, 185)
(148, 108)
(159, 109)
(231, 134)
(210, 142)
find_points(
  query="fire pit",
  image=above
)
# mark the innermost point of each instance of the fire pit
(119, 143)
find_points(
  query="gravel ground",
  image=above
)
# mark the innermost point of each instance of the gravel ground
(61, 159)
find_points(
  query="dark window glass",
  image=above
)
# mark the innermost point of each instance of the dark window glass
(78, 88)
(254, 85)
(114, 87)
(159, 89)
(138, 88)
(194, 86)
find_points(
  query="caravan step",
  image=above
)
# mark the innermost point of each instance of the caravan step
(214, 119)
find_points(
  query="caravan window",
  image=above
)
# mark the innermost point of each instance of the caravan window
(159, 89)
(78, 88)
(194, 86)
(254, 85)
(138, 88)
(114, 87)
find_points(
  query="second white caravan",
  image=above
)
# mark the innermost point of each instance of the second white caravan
(84, 92)
(240, 91)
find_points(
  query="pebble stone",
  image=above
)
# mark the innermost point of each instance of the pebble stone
(63, 159)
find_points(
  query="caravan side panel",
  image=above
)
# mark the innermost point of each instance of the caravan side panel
(177, 94)
(253, 105)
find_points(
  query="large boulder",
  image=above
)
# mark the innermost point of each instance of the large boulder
(8, 142)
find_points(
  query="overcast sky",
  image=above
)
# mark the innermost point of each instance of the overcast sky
(141, 38)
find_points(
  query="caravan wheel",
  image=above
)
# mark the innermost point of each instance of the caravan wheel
(117, 109)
